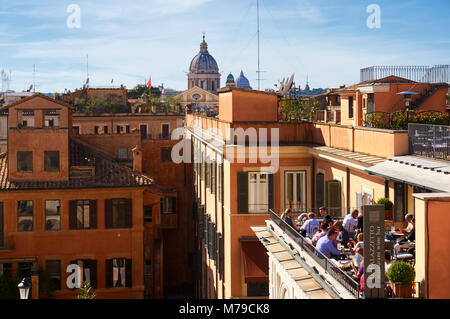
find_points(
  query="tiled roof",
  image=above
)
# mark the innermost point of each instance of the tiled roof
(108, 173)
(6, 107)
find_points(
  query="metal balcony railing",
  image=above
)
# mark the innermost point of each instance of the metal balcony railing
(431, 141)
(348, 282)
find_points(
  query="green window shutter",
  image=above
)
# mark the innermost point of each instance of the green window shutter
(93, 214)
(128, 272)
(333, 196)
(108, 213)
(73, 223)
(109, 273)
(320, 190)
(271, 190)
(242, 192)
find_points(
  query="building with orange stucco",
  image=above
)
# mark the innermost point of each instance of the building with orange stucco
(66, 200)
(343, 167)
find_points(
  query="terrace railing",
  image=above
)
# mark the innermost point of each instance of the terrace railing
(330, 267)
(431, 141)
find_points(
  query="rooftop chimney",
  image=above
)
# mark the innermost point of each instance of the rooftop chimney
(137, 159)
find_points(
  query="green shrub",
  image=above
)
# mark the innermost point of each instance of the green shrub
(386, 202)
(401, 273)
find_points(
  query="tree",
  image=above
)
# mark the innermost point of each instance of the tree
(85, 291)
(300, 110)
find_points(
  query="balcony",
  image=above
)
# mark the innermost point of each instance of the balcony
(328, 267)
(432, 141)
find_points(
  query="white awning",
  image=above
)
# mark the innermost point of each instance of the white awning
(429, 174)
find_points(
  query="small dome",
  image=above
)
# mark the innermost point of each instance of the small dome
(230, 81)
(230, 77)
(242, 82)
(203, 62)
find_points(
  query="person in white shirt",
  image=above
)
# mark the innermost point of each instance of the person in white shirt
(311, 226)
(351, 223)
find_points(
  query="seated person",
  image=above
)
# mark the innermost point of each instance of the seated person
(357, 261)
(322, 232)
(350, 223)
(408, 240)
(327, 245)
(287, 217)
(360, 242)
(346, 240)
(408, 219)
(302, 218)
(311, 226)
(326, 218)
(387, 261)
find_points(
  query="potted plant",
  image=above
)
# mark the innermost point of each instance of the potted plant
(401, 277)
(387, 207)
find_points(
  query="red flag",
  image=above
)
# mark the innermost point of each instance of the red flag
(149, 83)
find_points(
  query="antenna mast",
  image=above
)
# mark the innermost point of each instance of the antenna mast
(34, 78)
(259, 63)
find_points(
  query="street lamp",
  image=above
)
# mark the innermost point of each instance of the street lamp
(407, 97)
(24, 288)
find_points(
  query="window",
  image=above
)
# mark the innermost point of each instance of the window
(25, 162)
(51, 118)
(118, 213)
(51, 161)
(118, 273)
(82, 214)
(258, 192)
(76, 129)
(127, 128)
(350, 107)
(25, 216)
(165, 131)
(295, 190)
(96, 130)
(88, 270)
(52, 214)
(53, 268)
(5, 269)
(168, 205)
(148, 214)
(166, 154)
(105, 129)
(148, 271)
(255, 192)
(122, 153)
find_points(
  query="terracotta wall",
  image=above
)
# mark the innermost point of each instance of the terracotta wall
(66, 245)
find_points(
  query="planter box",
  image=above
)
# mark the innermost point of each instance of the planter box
(402, 291)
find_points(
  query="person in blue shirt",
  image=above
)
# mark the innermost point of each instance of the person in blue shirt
(327, 245)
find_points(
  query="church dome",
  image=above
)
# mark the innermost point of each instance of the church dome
(203, 62)
(230, 81)
(242, 82)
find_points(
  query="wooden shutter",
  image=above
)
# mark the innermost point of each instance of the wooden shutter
(2, 241)
(271, 204)
(93, 267)
(205, 229)
(174, 204)
(219, 178)
(128, 213)
(73, 223)
(128, 272)
(213, 178)
(208, 175)
(242, 192)
(333, 197)
(93, 214)
(220, 253)
(108, 213)
(320, 188)
(109, 273)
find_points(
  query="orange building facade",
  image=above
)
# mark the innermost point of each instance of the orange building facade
(67, 198)
(317, 165)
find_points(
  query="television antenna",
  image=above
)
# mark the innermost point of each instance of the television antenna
(259, 47)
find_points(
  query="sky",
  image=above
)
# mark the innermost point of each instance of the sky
(128, 41)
